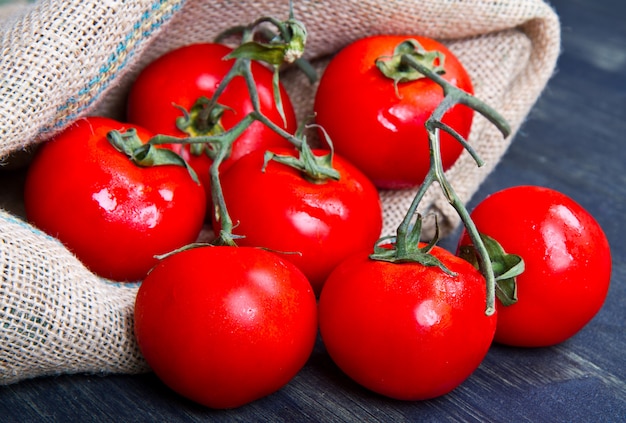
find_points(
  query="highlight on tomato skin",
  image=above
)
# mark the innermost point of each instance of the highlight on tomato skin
(405, 330)
(567, 261)
(225, 326)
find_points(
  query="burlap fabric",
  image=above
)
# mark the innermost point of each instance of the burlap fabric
(63, 59)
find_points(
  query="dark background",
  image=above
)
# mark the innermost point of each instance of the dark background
(572, 142)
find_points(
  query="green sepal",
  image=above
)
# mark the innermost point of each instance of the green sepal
(315, 168)
(202, 119)
(278, 101)
(146, 154)
(506, 267)
(419, 255)
(269, 53)
(182, 249)
(395, 69)
(285, 47)
(410, 251)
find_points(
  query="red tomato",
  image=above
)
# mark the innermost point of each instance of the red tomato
(224, 326)
(381, 133)
(185, 74)
(567, 263)
(114, 215)
(407, 331)
(316, 224)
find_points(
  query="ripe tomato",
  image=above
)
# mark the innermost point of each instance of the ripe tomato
(378, 130)
(316, 224)
(567, 263)
(407, 331)
(113, 214)
(224, 326)
(182, 76)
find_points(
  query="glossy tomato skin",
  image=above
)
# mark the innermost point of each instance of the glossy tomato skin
(567, 263)
(406, 331)
(315, 224)
(183, 75)
(114, 215)
(224, 326)
(380, 133)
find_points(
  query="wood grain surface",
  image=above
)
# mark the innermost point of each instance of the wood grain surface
(572, 141)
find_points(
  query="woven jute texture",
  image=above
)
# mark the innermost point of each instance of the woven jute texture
(64, 59)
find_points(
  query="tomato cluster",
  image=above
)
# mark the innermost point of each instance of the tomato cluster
(191, 73)
(212, 142)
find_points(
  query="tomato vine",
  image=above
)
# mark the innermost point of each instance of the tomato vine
(405, 247)
(284, 46)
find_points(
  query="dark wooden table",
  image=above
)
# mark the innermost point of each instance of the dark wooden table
(573, 141)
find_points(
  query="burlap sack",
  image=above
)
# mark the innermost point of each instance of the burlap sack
(62, 59)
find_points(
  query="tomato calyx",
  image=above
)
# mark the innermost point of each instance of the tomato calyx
(285, 45)
(145, 154)
(405, 248)
(316, 169)
(506, 267)
(203, 119)
(395, 67)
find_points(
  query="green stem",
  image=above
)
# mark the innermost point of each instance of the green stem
(404, 228)
(286, 46)
(235, 70)
(438, 174)
(460, 97)
(221, 145)
(452, 97)
(225, 236)
(230, 135)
